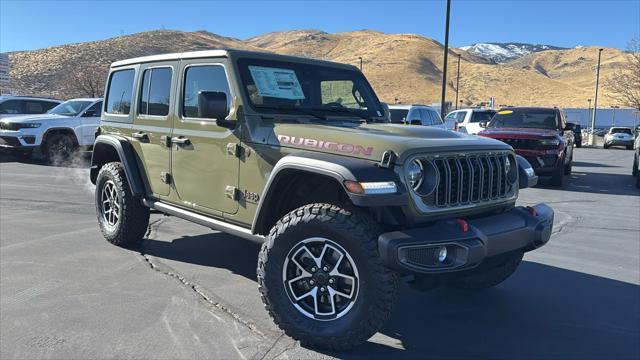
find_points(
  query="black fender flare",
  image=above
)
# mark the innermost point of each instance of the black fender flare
(68, 130)
(339, 168)
(127, 157)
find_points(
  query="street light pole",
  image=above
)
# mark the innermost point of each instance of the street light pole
(595, 101)
(444, 67)
(614, 107)
(360, 57)
(458, 82)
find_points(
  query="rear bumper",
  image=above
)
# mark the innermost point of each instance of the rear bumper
(614, 142)
(415, 250)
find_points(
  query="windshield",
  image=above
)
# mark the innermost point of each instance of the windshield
(398, 116)
(70, 108)
(621, 131)
(525, 118)
(287, 87)
(478, 116)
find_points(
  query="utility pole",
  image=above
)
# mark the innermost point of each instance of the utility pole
(360, 57)
(589, 116)
(458, 82)
(595, 101)
(444, 68)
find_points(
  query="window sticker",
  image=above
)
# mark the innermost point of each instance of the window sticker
(505, 112)
(276, 82)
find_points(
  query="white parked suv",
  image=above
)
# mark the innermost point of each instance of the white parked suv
(24, 105)
(468, 120)
(66, 128)
(619, 136)
(415, 115)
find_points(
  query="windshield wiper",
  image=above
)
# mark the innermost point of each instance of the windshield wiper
(344, 111)
(292, 109)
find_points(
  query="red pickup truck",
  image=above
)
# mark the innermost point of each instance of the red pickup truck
(541, 135)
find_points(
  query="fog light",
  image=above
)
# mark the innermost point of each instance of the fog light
(442, 254)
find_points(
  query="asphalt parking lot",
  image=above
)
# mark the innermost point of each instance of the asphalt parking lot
(189, 292)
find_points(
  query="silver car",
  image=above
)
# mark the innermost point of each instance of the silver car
(619, 136)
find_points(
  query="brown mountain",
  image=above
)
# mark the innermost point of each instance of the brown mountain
(403, 66)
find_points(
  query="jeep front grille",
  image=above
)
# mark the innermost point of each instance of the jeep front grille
(469, 179)
(522, 143)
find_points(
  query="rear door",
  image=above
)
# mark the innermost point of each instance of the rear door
(203, 164)
(152, 122)
(89, 122)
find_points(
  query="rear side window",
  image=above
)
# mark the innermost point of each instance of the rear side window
(202, 78)
(460, 116)
(398, 116)
(119, 95)
(433, 117)
(33, 107)
(47, 105)
(477, 117)
(156, 90)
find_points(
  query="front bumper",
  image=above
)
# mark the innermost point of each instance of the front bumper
(18, 140)
(415, 250)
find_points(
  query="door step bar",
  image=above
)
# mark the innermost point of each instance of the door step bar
(214, 224)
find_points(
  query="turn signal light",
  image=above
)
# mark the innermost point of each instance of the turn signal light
(532, 211)
(464, 226)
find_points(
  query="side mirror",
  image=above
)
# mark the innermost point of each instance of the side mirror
(90, 113)
(570, 126)
(527, 177)
(483, 124)
(214, 105)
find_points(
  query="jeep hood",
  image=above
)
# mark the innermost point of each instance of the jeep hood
(32, 118)
(518, 133)
(370, 141)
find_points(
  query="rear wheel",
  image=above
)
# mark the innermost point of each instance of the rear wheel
(122, 217)
(567, 167)
(629, 147)
(606, 146)
(491, 273)
(321, 279)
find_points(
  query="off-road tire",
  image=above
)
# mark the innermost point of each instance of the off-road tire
(134, 216)
(491, 273)
(59, 148)
(378, 286)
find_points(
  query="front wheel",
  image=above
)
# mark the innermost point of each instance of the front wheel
(492, 272)
(321, 279)
(59, 148)
(122, 217)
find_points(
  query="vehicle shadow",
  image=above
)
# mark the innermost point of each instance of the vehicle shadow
(218, 250)
(590, 164)
(78, 161)
(540, 312)
(596, 183)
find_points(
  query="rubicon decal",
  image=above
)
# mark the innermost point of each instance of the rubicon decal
(328, 145)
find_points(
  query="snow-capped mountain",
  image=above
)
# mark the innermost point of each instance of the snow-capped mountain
(501, 52)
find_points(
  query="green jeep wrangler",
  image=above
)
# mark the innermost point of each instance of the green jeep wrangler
(298, 154)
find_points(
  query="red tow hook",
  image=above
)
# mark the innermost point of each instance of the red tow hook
(464, 226)
(532, 211)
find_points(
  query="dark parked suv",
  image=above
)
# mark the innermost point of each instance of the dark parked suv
(540, 135)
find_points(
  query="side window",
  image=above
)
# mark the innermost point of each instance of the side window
(33, 107)
(48, 105)
(96, 109)
(156, 90)
(340, 93)
(11, 107)
(452, 116)
(119, 95)
(414, 114)
(202, 78)
(460, 116)
(426, 117)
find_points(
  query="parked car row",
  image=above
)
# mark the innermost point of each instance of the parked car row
(55, 128)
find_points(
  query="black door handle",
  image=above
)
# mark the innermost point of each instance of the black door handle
(143, 137)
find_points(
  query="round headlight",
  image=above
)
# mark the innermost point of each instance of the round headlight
(414, 173)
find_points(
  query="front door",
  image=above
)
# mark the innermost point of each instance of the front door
(204, 170)
(152, 123)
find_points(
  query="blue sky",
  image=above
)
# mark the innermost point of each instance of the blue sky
(26, 25)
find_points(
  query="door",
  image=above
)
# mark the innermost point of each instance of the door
(89, 122)
(152, 123)
(203, 164)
